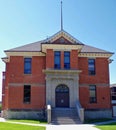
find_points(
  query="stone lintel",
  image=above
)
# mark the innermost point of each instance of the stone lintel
(61, 71)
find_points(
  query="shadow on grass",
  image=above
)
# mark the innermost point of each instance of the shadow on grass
(89, 121)
(108, 124)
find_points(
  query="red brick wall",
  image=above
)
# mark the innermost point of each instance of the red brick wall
(37, 98)
(102, 71)
(15, 74)
(16, 70)
(49, 58)
(74, 59)
(102, 94)
(100, 79)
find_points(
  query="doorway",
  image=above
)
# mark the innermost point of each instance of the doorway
(62, 96)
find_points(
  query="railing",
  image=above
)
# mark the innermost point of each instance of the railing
(80, 111)
(49, 114)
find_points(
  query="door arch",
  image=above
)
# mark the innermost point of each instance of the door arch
(62, 96)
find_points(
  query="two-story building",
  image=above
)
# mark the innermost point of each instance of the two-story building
(60, 71)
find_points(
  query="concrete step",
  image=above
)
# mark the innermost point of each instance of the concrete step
(65, 116)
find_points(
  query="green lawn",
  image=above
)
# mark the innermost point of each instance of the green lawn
(28, 121)
(111, 126)
(8, 126)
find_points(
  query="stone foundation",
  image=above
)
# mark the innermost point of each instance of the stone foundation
(24, 114)
(98, 113)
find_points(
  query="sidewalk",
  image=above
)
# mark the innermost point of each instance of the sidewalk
(71, 127)
(2, 119)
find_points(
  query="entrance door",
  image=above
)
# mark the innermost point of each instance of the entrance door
(62, 96)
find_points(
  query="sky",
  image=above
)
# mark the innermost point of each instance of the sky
(92, 22)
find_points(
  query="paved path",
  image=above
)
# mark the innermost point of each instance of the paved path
(71, 127)
(2, 119)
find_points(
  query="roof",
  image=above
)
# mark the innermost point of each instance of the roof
(90, 49)
(36, 46)
(32, 47)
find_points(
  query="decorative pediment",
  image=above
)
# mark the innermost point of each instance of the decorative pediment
(62, 37)
(62, 40)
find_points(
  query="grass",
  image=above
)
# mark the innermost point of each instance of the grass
(28, 121)
(8, 126)
(111, 126)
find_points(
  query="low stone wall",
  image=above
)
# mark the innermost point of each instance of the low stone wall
(98, 113)
(24, 114)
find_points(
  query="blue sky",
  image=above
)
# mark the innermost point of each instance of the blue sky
(93, 22)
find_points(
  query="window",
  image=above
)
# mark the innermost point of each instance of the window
(27, 65)
(92, 93)
(66, 60)
(91, 66)
(57, 59)
(27, 94)
(113, 93)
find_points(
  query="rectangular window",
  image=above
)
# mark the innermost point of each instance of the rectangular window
(27, 94)
(57, 58)
(66, 60)
(113, 93)
(27, 65)
(92, 93)
(91, 66)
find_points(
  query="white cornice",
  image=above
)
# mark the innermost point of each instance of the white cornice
(24, 54)
(105, 55)
(6, 59)
(60, 47)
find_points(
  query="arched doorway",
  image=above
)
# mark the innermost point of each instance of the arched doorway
(62, 96)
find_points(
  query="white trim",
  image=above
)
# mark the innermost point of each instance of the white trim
(61, 47)
(89, 55)
(25, 54)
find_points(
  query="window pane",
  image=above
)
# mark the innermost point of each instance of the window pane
(91, 66)
(57, 59)
(67, 60)
(27, 65)
(92, 93)
(27, 93)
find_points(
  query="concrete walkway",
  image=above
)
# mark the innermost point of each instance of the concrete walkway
(71, 127)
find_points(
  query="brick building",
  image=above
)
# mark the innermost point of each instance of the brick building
(60, 71)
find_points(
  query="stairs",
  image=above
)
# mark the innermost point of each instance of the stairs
(65, 116)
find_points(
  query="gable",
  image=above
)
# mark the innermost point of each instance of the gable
(63, 36)
(62, 40)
